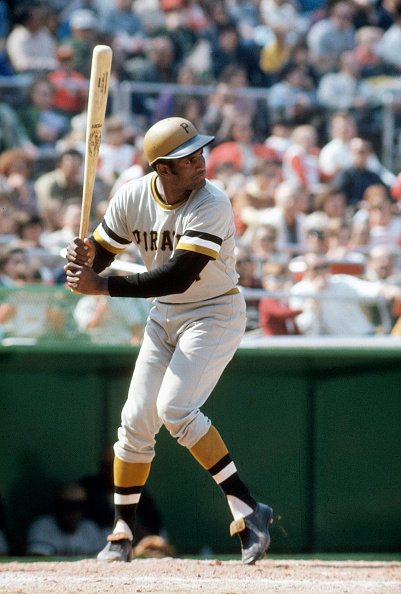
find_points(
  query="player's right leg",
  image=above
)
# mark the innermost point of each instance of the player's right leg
(134, 450)
(129, 480)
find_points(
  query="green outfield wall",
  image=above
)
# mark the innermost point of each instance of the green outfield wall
(315, 430)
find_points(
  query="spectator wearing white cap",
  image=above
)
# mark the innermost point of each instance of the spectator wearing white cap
(83, 29)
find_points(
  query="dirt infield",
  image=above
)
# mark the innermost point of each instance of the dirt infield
(182, 576)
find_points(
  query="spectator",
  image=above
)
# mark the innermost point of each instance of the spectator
(16, 179)
(263, 246)
(331, 303)
(381, 265)
(117, 150)
(156, 64)
(338, 233)
(280, 14)
(219, 14)
(42, 122)
(279, 138)
(359, 239)
(262, 243)
(354, 180)
(293, 97)
(8, 224)
(61, 184)
(82, 39)
(227, 101)
(254, 194)
(335, 155)
(346, 90)
(276, 318)
(30, 46)
(316, 240)
(14, 266)
(288, 217)
(69, 86)
(65, 531)
(170, 104)
(330, 36)
(301, 159)
(247, 269)
(384, 222)
(12, 132)
(116, 321)
(229, 48)
(126, 27)
(379, 14)
(27, 315)
(300, 55)
(330, 203)
(366, 51)
(178, 28)
(276, 52)
(389, 47)
(240, 150)
(5, 26)
(30, 232)
(70, 218)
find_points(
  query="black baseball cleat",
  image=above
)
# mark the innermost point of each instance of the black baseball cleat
(253, 531)
(118, 548)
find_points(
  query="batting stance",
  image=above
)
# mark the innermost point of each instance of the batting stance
(183, 226)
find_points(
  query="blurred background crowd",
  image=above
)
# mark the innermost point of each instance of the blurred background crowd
(304, 100)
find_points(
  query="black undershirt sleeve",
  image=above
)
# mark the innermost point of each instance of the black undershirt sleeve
(174, 277)
(103, 258)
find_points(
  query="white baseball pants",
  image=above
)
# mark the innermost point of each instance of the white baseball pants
(184, 352)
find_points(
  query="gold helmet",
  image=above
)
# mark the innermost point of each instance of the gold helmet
(173, 138)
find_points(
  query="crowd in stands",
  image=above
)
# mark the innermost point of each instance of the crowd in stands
(296, 106)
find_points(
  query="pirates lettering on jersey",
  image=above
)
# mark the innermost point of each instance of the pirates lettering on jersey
(152, 240)
(166, 241)
(203, 224)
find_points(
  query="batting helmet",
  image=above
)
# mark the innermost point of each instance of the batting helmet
(173, 138)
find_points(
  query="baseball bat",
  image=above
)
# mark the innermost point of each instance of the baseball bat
(97, 101)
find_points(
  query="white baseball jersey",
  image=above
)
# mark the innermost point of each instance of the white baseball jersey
(203, 223)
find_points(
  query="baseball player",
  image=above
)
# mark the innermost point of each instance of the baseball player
(183, 226)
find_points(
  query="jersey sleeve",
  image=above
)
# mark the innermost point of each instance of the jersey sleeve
(112, 233)
(207, 229)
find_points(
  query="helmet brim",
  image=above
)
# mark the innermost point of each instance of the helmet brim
(189, 147)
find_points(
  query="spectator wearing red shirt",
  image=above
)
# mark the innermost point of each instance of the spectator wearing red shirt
(276, 318)
(70, 88)
(241, 151)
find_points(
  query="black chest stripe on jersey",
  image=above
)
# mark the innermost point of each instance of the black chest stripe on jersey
(205, 236)
(114, 235)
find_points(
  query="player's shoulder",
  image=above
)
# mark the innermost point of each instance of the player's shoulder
(211, 191)
(130, 187)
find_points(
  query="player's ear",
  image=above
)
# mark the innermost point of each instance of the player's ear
(163, 169)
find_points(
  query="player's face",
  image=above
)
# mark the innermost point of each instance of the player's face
(190, 171)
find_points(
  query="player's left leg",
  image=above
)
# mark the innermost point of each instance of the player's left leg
(203, 350)
(251, 519)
